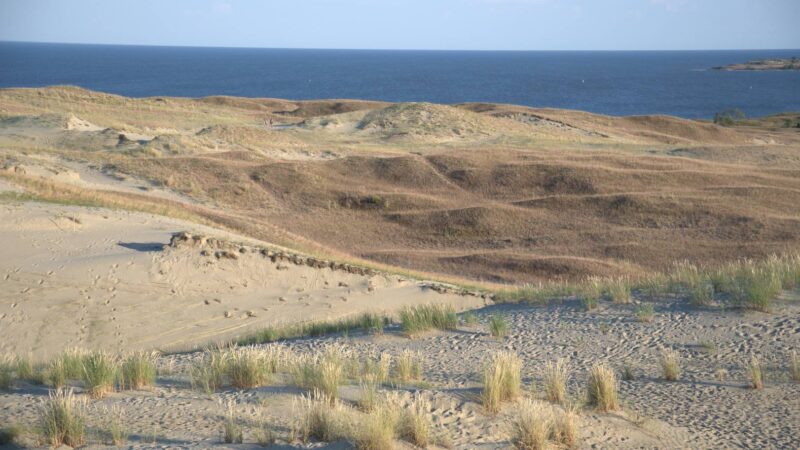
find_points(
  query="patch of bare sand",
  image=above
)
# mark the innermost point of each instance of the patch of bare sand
(94, 278)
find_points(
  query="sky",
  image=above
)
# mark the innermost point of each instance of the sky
(411, 24)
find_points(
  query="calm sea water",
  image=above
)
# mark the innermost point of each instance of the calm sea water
(617, 83)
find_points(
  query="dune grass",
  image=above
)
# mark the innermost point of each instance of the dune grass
(645, 312)
(470, 319)
(670, 364)
(377, 430)
(62, 419)
(315, 418)
(602, 388)
(6, 373)
(756, 373)
(618, 290)
(408, 366)
(232, 432)
(115, 427)
(246, 368)
(138, 370)
(100, 372)
(208, 374)
(502, 380)
(418, 319)
(794, 366)
(498, 327)
(367, 322)
(532, 425)
(555, 381)
(9, 434)
(322, 375)
(414, 424)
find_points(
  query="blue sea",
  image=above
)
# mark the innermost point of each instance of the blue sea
(617, 83)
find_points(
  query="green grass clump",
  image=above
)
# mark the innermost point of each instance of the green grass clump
(794, 366)
(246, 368)
(373, 323)
(62, 419)
(376, 431)
(232, 432)
(99, 374)
(6, 373)
(417, 319)
(590, 293)
(115, 426)
(602, 388)
(415, 426)
(138, 370)
(470, 319)
(311, 329)
(9, 434)
(645, 312)
(315, 418)
(498, 327)
(502, 380)
(27, 371)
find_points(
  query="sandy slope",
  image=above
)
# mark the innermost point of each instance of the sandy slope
(98, 278)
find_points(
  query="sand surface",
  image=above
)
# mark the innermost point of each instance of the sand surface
(103, 279)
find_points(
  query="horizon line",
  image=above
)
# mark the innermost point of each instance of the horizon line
(393, 49)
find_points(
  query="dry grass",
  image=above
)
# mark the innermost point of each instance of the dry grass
(670, 364)
(408, 366)
(323, 374)
(602, 388)
(315, 418)
(415, 426)
(619, 290)
(555, 381)
(756, 373)
(502, 380)
(67, 366)
(794, 366)
(138, 370)
(232, 432)
(376, 431)
(62, 419)
(470, 319)
(566, 427)
(532, 425)
(6, 372)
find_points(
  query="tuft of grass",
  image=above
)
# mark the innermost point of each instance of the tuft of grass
(565, 428)
(415, 426)
(232, 432)
(62, 419)
(555, 381)
(408, 366)
(312, 329)
(368, 400)
(794, 366)
(246, 368)
(628, 372)
(670, 364)
(756, 373)
(322, 375)
(378, 368)
(470, 319)
(417, 319)
(115, 429)
(27, 371)
(532, 426)
(373, 323)
(138, 370)
(377, 431)
(264, 434)
(99, 373)
(6, 373)
(315, 418)
(208, 374)
(590, 293)
(502, 380)
(619, 290)
(602, 388)
(645, 312)
(498, 327)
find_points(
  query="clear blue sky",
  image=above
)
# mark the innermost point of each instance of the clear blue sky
(411, 24)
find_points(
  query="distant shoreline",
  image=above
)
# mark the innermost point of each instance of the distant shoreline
(763, 65)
